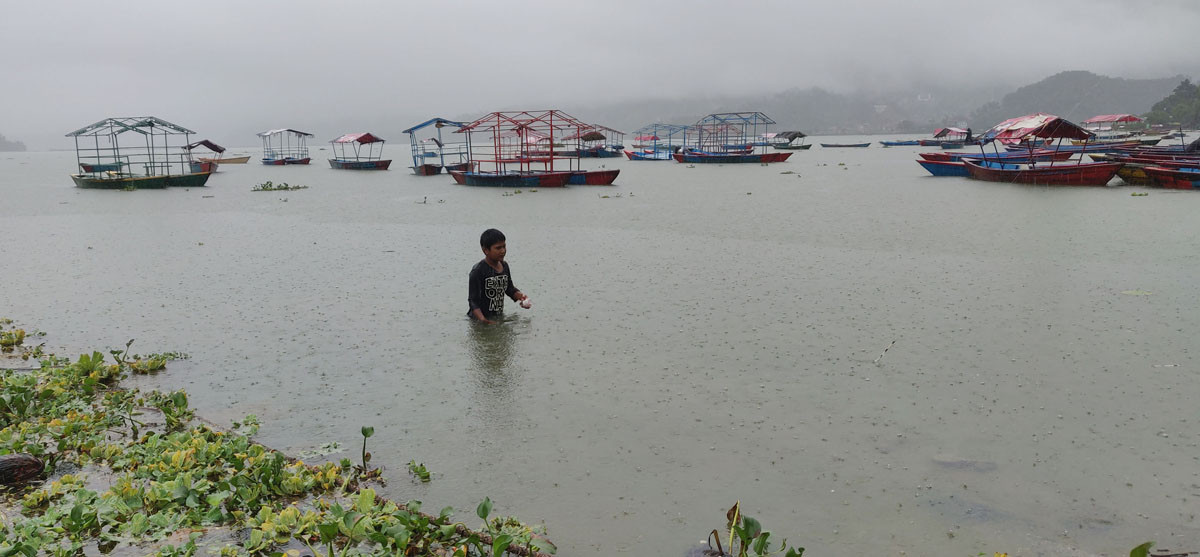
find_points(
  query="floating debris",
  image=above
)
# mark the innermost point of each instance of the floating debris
(1136, 292)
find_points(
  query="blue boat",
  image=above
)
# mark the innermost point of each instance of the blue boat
(899, 143)
(957, 168)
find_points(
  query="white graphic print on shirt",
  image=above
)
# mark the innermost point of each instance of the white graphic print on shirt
(493, 288)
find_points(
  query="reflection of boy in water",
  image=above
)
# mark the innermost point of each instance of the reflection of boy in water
(490, 279)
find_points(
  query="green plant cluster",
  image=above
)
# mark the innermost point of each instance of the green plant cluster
(174, 480)
(271, 186)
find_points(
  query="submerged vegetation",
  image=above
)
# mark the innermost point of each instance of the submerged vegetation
(132, 469)
(282, 186)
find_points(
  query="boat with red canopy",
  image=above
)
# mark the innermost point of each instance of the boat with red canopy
(1041, 126)
(528, 148)
(357, 151)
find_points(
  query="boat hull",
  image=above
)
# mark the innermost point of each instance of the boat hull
(202, 166)
(1090, 174)
(802, 147)
(359, 165)
(427, 170)
(281, 162)
(651, 156)
(593, 177)
(1175, 179)
(141, 182)
(514, 179)
(944, 168)
(900, 143)
(227, 160)
(731, 159)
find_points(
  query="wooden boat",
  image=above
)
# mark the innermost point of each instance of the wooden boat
(121, 182)
(285, 146)
(357, 151)
(227, 160)
(527, 149)
(649, 155)
(732, 138)
(1081, 174)
(787, 140)
(702, 157)
(900, 142)
(656, 142)
(156, 159)
(341, 164)
(1174, 178)
(957, 168)
(593, 177)
(598, 142)
(450, 155)
(202, 166)
(1039, 155)
(515, 179)
(842, 145)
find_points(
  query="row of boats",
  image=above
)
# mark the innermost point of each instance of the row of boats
(1044, 149)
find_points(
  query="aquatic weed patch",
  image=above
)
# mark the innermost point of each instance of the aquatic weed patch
(140, 473)
(282, 186)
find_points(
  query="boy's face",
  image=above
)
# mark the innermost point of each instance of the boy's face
(496, 252)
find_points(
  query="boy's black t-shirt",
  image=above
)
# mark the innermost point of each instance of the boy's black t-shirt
(487, 288)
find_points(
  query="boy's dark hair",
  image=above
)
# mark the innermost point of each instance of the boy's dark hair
(490, 237)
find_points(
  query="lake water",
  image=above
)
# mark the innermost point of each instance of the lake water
(699, 336)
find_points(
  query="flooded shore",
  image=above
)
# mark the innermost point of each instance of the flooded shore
(710, 335)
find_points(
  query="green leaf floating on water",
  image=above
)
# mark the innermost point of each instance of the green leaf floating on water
(1136, 292)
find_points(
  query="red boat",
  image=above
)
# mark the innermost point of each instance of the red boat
(1034, 129)
(594, 177)
(1174, 178)
(1040, 155)
(1089, 174)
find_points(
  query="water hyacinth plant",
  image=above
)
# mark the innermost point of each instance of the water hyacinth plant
(145, 477)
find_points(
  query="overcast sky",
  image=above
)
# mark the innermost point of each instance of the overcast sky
(227, 69)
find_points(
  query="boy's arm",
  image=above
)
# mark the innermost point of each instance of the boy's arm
(477, 314)
(512, 291)
(474, 295)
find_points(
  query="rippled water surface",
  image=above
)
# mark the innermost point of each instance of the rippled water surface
(699, 336)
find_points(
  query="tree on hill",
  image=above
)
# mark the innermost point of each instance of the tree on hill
(6, 145)
(1181, 107)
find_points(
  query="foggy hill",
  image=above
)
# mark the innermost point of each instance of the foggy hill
(1075, 95)
(6, 145)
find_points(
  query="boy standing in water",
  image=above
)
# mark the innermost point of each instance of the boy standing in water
(491, 280)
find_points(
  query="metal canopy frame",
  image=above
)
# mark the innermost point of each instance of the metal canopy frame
(456, 150)
(284, 144)
(731, 131)
(667, 134)
(357, 141)
(158, 155)
(524, 139)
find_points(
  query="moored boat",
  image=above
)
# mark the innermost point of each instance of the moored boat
(1174, 178)
(900, 142)
(436, 147)
(704, 157)
(731, 138)
(1081, 174)
(285, 146)
(844, 145)
(357, 151)
(153, 161)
